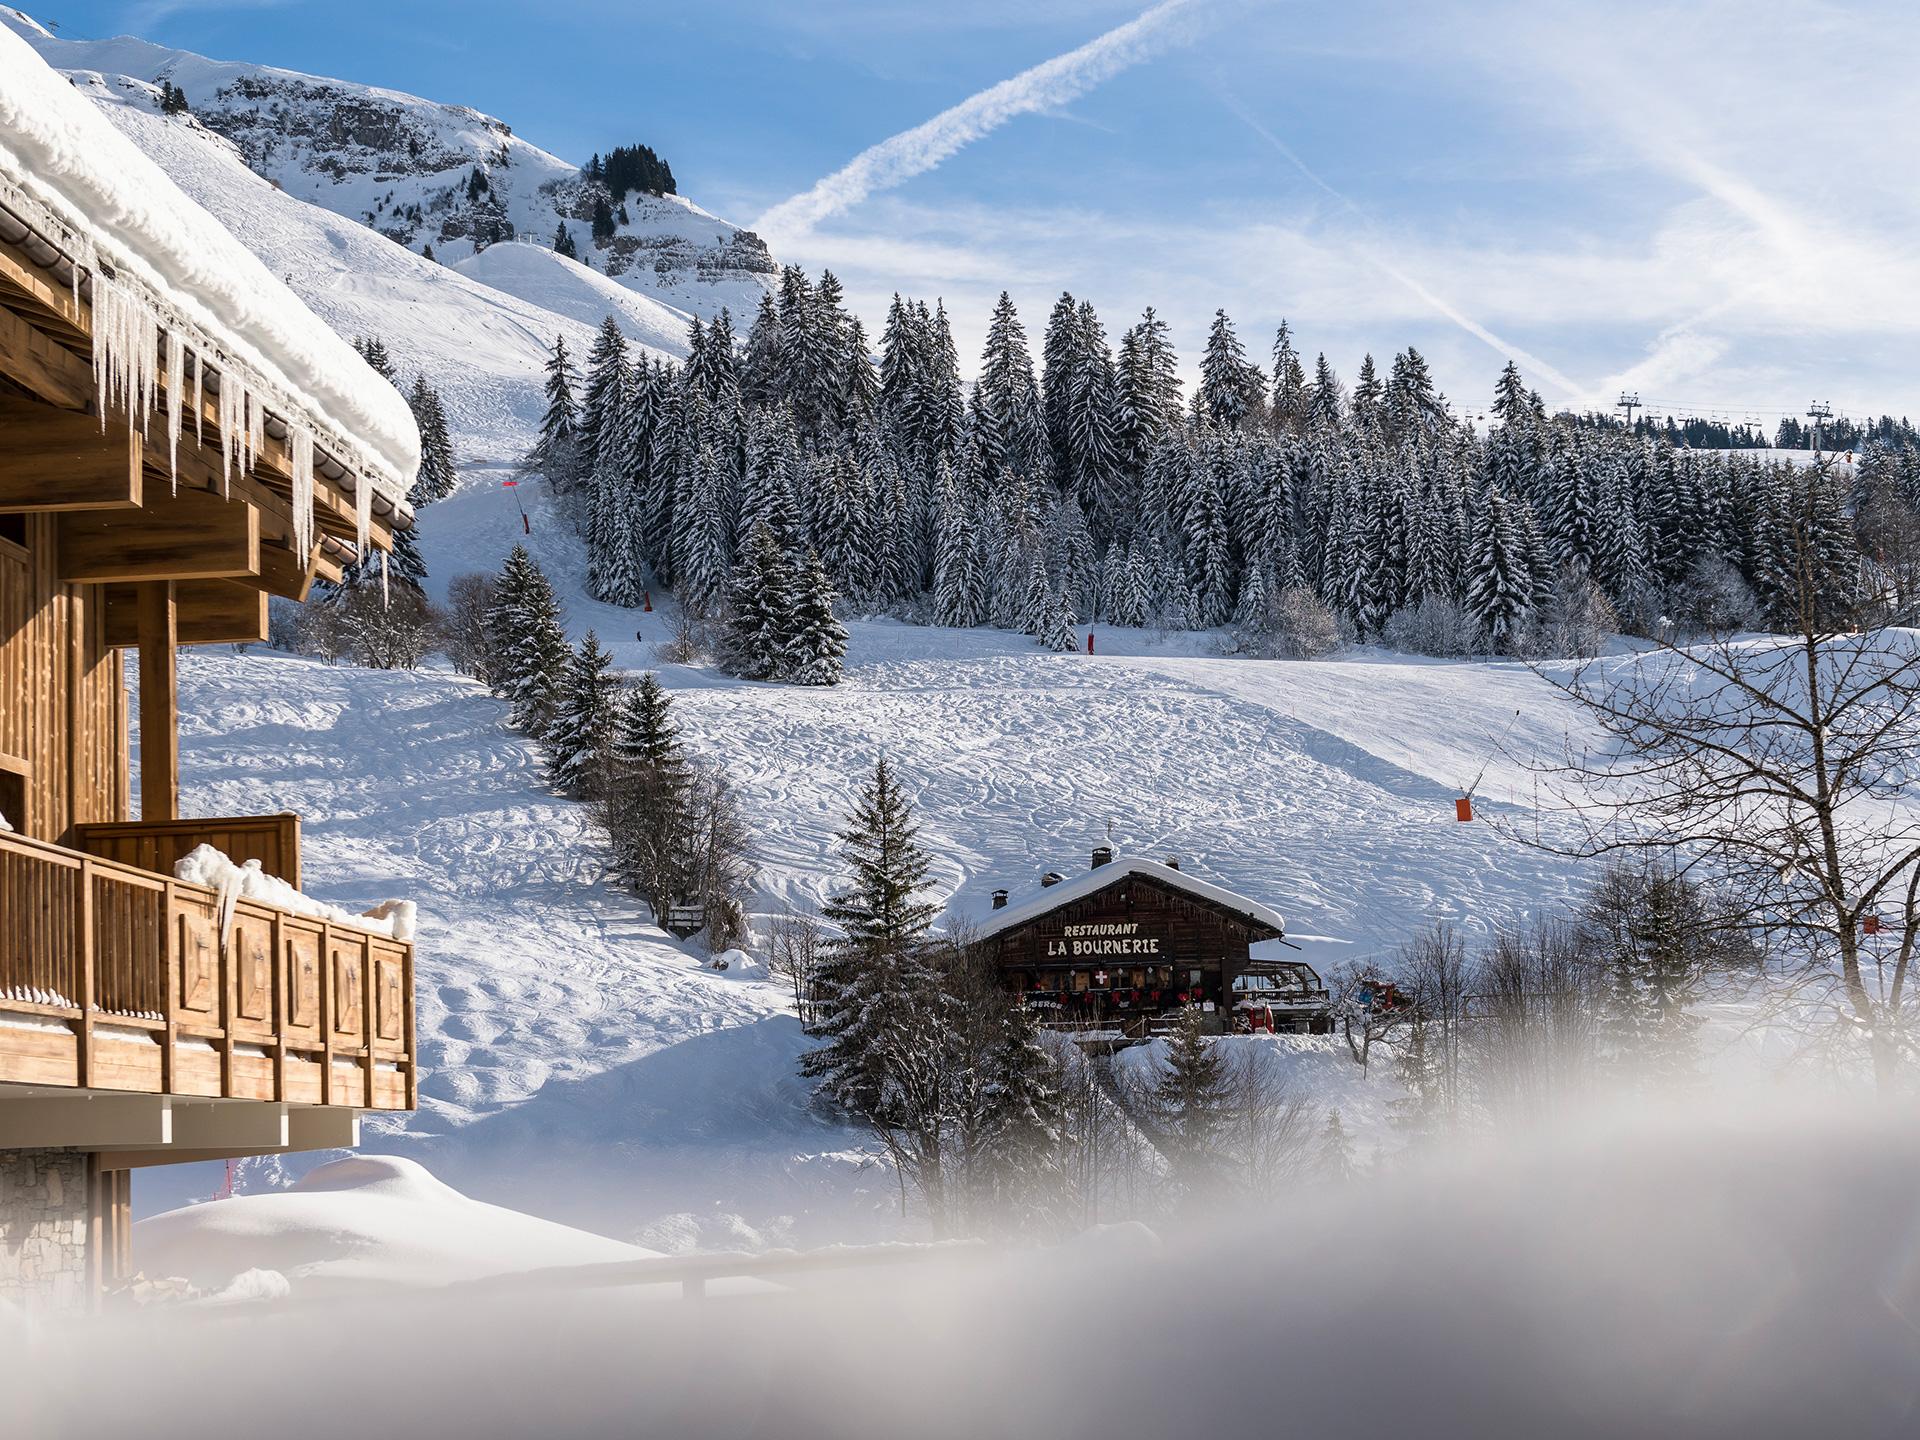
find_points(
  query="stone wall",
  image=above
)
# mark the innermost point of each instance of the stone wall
(43, 1229)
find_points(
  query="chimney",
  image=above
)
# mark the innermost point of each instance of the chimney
(1052, 877)
(1102, 855)
(999, 899)
(1173, 862)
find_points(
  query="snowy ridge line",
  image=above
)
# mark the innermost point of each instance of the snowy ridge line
(112, 214)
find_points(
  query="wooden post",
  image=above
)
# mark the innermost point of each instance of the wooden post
(159, 704)
(170, 941)
(83, 933)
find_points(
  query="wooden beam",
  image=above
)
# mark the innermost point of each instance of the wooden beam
(159, 704)
(283, 574)
(36, 360)
(206, 612)
(189, 536)
(22, 277)
(56, 459)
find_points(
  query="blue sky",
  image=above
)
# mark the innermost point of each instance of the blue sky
(1710, 203)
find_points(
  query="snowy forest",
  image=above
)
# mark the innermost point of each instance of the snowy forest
(1280, 503)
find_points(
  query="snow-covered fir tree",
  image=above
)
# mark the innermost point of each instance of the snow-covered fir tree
(527, 650)
(927, 504)
(816, 651)
(580, 737)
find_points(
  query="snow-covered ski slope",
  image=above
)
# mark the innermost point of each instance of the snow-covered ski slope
(585, 1067)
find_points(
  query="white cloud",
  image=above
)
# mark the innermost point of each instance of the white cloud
(1043, 87)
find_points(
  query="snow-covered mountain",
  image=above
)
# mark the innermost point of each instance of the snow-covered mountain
(426, 174)
(480, 325)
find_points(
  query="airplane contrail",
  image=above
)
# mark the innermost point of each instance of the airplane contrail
(1573, 389)
(1052, 82)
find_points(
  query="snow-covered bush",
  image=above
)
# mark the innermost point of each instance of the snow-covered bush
(1579, 619)
(1714, 599)
(1434, 626)
(1303, 628)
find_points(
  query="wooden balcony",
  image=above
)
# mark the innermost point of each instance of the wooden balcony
(122, 979)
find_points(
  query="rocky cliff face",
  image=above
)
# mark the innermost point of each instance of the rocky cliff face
(433, 176)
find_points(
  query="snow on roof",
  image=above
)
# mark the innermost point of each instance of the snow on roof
(1045, 898)
(159, 265)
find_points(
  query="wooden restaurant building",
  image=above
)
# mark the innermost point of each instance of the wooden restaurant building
(1113, 954)
(180, 439)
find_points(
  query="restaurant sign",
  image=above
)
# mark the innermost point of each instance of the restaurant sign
(1118, 937)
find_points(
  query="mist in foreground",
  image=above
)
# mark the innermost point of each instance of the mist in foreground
(1710, 1272)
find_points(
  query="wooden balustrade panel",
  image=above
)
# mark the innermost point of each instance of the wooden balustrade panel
(301, 977)
(349, 952)
(390, 998)
(40, 961)
(250, 951)
(197, 945)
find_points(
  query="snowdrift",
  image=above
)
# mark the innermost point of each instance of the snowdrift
(367, 1220)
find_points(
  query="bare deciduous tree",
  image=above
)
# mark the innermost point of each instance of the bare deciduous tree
(1785, 766)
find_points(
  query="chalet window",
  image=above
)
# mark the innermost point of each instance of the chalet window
(14, 528)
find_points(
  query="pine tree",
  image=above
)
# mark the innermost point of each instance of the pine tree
(374, 351)
(1008, 424)
(437, 475)
(1289, 412)
(556, 454)
(1225, 376)
(1058, 628)
(1333, 1158)
(819, 645)
(528, 650)
(580, 738)
(869, 973)
(563, 242)
(758, 636)
(606, 394)
(1190, 1100)
(1500, 584)
(644, 735)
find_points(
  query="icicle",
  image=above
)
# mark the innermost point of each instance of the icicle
(176, 398)
(199, 398)
(126, 344)
(300, 446)
(362, 515)
(257, 430)
(386, 597)
(230, 426)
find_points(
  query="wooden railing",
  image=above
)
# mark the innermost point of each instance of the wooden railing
(116, 978)
(159, 845)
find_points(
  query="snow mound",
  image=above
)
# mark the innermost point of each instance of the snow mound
(357, 1222)
(63, 166)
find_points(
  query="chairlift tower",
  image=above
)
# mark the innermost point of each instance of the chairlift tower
(1818, 411)
(1629, 403)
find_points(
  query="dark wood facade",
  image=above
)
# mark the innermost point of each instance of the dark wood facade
(1121, 959)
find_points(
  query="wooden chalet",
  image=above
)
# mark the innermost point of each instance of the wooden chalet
(161, 477)
(1115, 953)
